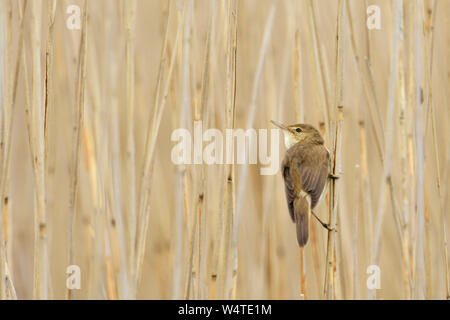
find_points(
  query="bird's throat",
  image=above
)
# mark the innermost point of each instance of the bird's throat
(289, 140)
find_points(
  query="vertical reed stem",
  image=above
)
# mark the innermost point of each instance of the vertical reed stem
(76, 136)
(329, 286)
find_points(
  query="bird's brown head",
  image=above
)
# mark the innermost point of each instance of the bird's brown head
(295, 133)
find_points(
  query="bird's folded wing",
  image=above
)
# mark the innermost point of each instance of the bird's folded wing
(305, 169)
(289, 189)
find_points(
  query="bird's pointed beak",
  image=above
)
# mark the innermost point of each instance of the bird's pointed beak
(279, 125)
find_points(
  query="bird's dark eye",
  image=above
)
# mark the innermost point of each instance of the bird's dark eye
(298, 130)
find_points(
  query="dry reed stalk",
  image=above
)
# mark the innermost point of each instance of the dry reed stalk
(6, 125)
(200, 114)
(319, 63)
(389, 138)
(31, 144)
(427, 249)
(183, 184)
(131, 152)
(113, 190)
(279, 83)
(318, 99)
(429, 21)
(19, 50)
(218, 175)
(355, 232)
(94, 162)
(413, 221)
(187, 187)
(4, 225)
(369, 76)
(48, 104)
(366, 190)
(9, 283)
(420, 158)
(409, 126)
(91, 164)
(194, 212)
(400, 227)
(410, 94)
(195, 174)
(267, 256)
(151, 137)
(315, 239)
(37, 140)
(28, 99)
(428, 73)
(441, 206)
(10, 98)
(276, 83)
(3, 113)
(341, 264)
(107, 142)
(329, 285)
(49, 69)
(118, 237)
(302, 275)
(92, 151)
(111, 288)
(366, 77)
(403, 212)
(76, 136)
(271, 257)
(227, 259)
(27, 94)
(280, 255)
(315, 255)
(203, 227)
(427, 96)
(211, 221)
(298, 81)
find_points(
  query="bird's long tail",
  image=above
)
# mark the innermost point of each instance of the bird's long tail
(302, 211)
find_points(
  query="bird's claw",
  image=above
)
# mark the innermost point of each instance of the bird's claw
(325, 225)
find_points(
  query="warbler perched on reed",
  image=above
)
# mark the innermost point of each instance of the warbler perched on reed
(305, 169)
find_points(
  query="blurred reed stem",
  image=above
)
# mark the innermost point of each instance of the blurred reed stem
(329, 286)
(131, 152)
(225, 282)
(389, 136)
(150, 143)
(76, 136)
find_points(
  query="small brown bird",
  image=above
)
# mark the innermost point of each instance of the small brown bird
(305, 169)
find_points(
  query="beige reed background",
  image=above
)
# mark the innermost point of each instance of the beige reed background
(87, 177)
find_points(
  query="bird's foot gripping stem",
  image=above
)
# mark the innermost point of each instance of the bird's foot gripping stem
(333, 176)
(325, 225)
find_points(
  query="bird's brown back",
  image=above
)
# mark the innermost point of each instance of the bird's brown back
(308, 169)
